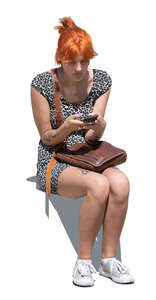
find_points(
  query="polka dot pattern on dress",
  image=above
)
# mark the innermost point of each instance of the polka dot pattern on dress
(44, 84)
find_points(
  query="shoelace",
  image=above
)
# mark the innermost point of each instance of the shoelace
(121, 267)
(86, 268)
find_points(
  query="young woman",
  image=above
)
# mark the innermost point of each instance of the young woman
(83, 91)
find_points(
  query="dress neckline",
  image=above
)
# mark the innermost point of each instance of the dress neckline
(63, 99)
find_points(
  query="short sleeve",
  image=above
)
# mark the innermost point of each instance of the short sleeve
(38, 83)
(106, 82)
(103, 82)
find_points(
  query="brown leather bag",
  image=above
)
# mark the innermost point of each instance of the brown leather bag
(96, 157)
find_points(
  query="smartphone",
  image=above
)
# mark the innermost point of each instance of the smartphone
(89, 118)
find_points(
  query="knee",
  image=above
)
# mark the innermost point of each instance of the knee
(100, 189)
(120, 186)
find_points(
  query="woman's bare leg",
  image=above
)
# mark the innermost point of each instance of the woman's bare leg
(91, 216)
(94, 187)
(116, 210)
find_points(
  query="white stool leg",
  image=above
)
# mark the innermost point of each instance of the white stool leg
(46, 205)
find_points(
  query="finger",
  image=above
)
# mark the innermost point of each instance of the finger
(91, 124)
(88, 126)
(79, 128)
(83, 127)
(93, 114)
(76, 116)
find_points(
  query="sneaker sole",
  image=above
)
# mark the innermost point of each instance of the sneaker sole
(115, 280)
(78, 284)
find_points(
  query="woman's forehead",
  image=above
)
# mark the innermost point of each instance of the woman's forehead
(77, 58)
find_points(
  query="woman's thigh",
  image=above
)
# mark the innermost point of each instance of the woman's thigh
(74, 182)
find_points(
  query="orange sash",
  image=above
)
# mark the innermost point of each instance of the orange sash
(48, 173)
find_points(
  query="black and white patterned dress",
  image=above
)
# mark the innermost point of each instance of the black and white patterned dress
(44, 84)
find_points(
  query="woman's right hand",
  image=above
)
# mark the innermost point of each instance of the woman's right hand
(75, 125)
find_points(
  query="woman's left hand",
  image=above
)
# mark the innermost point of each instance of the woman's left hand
(96, 125)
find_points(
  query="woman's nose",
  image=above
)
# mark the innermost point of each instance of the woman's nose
(78, 67)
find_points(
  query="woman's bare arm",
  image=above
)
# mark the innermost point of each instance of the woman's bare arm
(41, 113)
(100, 108)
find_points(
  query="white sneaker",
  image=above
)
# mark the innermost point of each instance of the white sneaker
(115, 270)
(82, 273)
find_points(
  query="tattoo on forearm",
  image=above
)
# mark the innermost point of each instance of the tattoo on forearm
(84, 171)
(55, 134)
(49, 135)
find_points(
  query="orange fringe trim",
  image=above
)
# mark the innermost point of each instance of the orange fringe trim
(48, 173)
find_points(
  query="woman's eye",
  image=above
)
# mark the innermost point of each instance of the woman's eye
(73, 62)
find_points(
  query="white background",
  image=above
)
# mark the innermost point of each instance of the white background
(36, 256)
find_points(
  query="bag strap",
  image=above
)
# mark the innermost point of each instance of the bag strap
(59, 120)
(59, 115)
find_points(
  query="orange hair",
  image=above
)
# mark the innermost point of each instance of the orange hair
(73, 41)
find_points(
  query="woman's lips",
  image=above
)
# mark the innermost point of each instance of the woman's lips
(78, 74)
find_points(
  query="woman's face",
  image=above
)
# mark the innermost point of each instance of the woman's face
(76, 69)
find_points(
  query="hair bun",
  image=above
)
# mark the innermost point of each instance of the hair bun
(66, 22)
